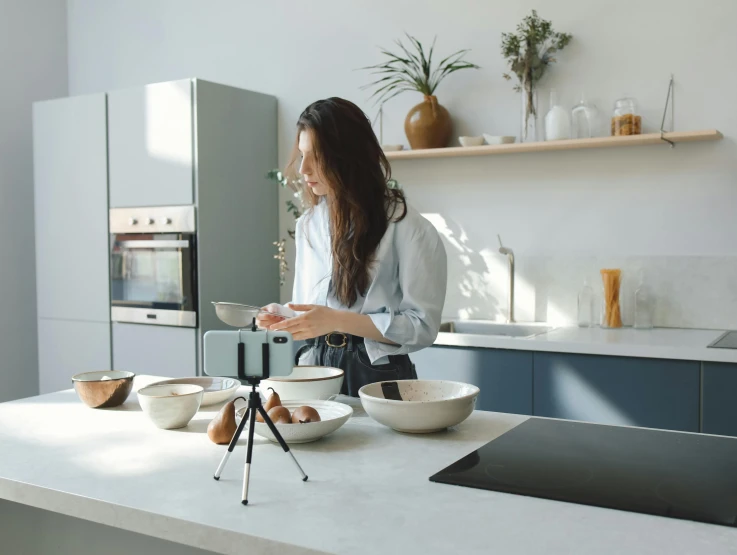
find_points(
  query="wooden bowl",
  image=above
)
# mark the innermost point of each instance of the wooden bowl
(109, 388)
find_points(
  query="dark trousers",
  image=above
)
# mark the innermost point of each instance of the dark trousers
(348, 352)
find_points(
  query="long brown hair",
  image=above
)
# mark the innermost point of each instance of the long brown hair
(361, 204)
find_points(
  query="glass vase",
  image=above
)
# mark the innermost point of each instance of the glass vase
(530, 109)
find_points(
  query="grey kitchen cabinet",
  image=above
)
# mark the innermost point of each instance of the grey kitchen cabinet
(503, 376)
(68, 347)
(237, 208)
(719, 399)
(151, 145)
(158, 350)
(617, 390)
(71, 208)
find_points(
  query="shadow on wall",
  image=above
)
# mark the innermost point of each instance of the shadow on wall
(478, 280)
(469, 293)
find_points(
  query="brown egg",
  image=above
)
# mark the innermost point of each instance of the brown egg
(305, 414)
(271, 402)
(280, 415)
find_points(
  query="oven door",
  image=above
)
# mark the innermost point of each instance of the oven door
(153, 278)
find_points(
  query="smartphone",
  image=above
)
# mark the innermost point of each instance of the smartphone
(222, 350)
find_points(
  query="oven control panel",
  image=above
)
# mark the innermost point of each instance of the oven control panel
(154, 219)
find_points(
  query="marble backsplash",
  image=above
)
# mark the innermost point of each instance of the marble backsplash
(689, 291)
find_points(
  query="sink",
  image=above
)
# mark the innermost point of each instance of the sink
(485, 327)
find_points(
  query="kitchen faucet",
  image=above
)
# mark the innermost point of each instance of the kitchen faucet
(510, 257)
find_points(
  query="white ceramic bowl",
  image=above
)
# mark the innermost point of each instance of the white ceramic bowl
(332, 416)
(392, 148)
(170, 406)
(216, 390)
(499, 139)
(427, 406)
(305, 382)
(471, 141)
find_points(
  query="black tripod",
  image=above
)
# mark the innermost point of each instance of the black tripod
(254, 405)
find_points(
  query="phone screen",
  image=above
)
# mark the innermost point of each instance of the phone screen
(221, 352)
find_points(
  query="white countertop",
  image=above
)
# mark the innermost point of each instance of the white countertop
(368, 490)
(665, 343)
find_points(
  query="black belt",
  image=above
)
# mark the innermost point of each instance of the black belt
(337, 340)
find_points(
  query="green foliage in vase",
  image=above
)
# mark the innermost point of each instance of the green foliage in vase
(529, 51)
(412, 70)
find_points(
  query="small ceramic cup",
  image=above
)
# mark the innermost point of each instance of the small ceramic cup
(471, 141)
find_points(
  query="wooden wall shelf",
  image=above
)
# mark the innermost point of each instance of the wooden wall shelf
(570, 144)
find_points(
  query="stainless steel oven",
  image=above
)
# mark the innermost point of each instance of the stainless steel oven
(153, 265)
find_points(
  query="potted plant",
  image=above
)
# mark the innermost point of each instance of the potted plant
(529, 51)
(428, 125)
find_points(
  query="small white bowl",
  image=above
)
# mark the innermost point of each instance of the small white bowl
(216, 390)
(332, 416)
(499, 139)
(306, 382)
(392, 148)
(170, 406)
(471, 141)
(427, 405)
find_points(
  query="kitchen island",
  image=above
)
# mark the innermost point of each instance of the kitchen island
(78, 480)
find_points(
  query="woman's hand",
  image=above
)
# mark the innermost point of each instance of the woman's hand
(314, 321)
(265, 321)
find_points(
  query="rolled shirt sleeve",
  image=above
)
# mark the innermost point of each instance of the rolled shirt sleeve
(423, 276)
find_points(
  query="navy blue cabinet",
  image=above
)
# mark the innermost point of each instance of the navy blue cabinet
(719, 399)
(504, 377)
(618, 390)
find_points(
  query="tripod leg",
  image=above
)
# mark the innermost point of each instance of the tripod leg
(249, 452)
(232, 443)
(281, 441)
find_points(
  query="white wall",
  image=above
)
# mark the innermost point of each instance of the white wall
(33, 65)
(565, 214)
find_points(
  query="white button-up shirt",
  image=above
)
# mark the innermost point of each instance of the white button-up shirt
(408, 280)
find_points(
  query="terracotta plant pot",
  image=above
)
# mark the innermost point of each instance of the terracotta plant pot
(428, 125)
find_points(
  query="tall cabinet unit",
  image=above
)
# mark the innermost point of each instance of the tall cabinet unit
(71, 220)
(151, 145)
(181, 143)
(194, 142)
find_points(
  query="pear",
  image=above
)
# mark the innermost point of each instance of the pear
(305, 414)
(223, 426)
(271, 402)
(280, 415)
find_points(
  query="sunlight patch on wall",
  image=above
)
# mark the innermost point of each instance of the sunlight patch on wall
(168, 135)
(478, 282)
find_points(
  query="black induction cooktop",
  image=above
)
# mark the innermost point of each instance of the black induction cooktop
(673, 474)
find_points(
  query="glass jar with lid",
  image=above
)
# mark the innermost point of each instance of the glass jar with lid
(625, 119)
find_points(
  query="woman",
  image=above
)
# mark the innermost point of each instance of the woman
(370, 272)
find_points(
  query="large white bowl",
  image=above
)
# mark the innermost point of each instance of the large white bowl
(170, 406)
(332, 416)
(427, 405)
(216, 390)
(306, 382)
